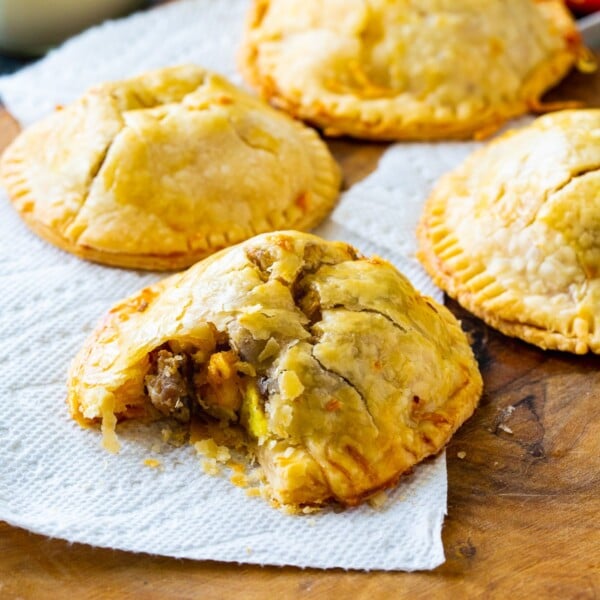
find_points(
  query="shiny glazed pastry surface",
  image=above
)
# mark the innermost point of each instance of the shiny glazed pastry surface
(514, 233)
(163, 169)
(339, 374)
(389, 69)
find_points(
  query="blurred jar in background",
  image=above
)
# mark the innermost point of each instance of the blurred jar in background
(583, 7)
(31, 27)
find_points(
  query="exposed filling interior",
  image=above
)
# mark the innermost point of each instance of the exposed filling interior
(227, 381)
(214, 385)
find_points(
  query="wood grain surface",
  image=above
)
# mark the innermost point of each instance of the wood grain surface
(524, 489)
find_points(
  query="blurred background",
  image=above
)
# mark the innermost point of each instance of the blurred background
(29, 28)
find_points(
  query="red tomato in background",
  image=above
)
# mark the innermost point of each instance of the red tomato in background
(584, 6)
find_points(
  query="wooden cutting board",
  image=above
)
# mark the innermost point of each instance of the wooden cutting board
(523, 502)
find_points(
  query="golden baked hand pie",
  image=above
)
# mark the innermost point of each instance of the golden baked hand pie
(161, 170)
(399, 69)
(341, 375)
(514, 233)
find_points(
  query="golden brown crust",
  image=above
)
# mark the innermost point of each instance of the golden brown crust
(385, 71)
(162, 170)
(512, 233)
(359, 377)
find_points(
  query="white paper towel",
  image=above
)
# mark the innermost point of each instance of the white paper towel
(54, 476)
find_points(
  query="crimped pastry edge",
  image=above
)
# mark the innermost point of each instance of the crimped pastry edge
(383, 126)
(324, 193)
(459, 289)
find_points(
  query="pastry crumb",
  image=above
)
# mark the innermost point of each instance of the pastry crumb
(210, 466)
(214, 455)
(462, 454)
(153, 463)
(236, 466)
(286, 509)
(308, 510)
(505, 428)
(378, 500)
(211, 449)
(239, 479)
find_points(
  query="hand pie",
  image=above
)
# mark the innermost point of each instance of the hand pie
(339, 373)
(158, 171)
(514, 233)
(389, 69)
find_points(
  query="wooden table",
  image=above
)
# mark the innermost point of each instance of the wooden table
(523, 505)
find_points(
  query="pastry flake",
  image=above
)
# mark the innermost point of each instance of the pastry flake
(514, 233)
(337, 374)
(389, 69)
(161, 170)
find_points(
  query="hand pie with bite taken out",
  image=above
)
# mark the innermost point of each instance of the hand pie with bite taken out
(405, 69)
(514, 233)
(161, 170)
(339, 374)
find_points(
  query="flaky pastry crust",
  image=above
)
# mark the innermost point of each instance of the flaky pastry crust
(342, 375)
(514, 233)
(159, 171)
(389, 69)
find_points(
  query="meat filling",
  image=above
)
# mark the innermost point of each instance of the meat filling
(182, 383)
(169, 388)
